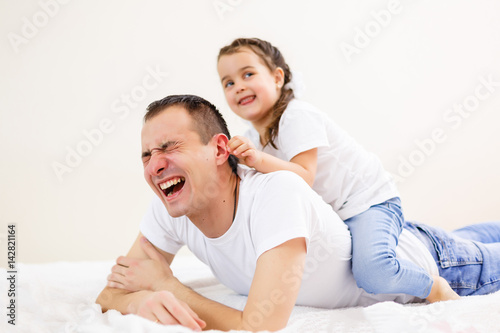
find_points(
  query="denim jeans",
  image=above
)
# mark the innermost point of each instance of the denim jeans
(375, 234)
(468, 258)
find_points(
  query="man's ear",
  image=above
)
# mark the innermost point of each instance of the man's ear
(222, 154)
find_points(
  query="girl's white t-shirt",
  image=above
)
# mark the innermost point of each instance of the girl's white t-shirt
(348, 177)
(272, 209)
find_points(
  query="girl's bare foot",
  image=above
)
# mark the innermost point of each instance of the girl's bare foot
(441, 291)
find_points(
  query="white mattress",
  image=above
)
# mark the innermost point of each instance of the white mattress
(60, 297)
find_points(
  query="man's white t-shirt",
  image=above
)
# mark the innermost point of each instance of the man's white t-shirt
(272, 209)
(348, 177)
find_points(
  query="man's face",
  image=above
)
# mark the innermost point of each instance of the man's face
(177, 165)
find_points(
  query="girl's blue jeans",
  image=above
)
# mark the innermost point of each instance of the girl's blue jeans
(468, 258)
(375, 233)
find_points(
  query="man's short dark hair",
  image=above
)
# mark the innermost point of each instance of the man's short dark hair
(207, 119)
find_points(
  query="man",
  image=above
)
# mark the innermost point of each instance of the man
(268, 236)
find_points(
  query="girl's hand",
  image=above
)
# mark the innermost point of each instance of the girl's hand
(140, 274)
(245, 151)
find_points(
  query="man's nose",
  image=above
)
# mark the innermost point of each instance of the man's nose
(157, 164)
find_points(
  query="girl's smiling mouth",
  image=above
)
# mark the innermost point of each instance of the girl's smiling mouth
(246, 100)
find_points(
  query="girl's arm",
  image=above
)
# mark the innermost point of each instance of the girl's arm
(303, 164)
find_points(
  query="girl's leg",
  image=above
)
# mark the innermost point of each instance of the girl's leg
(487, 232)
(469, 266)
(376, 269)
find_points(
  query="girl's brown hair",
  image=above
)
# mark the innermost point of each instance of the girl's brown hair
(273, 59)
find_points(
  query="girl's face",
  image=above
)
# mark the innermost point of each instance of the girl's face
(251, 89)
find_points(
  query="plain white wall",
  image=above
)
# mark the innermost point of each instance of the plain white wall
(67, 68)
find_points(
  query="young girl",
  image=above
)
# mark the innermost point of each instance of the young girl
(289, 134)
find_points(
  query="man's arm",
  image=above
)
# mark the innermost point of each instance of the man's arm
(137, 302)
(272, 295)
(119, 299)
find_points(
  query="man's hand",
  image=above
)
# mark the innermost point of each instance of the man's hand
(127, 286)
(244, 150)
(140, 274)
(164, 308)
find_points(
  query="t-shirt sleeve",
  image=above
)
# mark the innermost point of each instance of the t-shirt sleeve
(157, 226)
(280, 213)
(301, 129)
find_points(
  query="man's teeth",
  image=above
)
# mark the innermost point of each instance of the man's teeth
(171, 182)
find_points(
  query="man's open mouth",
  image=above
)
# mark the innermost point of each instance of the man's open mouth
(172, 186)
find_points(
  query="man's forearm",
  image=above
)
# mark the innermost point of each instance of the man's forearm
(119, 299)
(216, 315)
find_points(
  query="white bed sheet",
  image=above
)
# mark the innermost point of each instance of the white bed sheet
(60, 297)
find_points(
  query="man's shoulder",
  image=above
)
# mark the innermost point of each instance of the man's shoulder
(266, 185)
(254, 177)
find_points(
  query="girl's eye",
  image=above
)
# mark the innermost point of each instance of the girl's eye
(248, 75)
(228, 84)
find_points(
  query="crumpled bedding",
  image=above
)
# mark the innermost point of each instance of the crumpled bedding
(60, 297)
